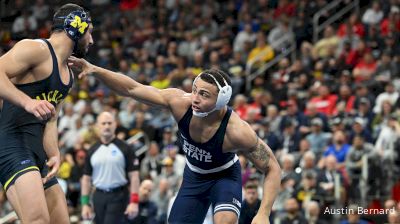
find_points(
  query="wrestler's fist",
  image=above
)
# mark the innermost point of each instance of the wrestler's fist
(42, 109)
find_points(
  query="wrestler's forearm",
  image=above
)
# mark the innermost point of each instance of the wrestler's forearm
(271, 187)
(119, 83)
(50, 139)
(125, 86)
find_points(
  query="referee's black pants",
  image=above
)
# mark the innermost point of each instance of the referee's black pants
(109, 207)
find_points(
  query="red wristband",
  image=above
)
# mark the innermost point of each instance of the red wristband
(134, 198)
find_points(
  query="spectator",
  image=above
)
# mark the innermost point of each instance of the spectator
(373, 15)
(269, 137)
(150, 166)
(287, 164)
(293, 214)
(312, 211)
(261, 53)
(353, 217)
(281, 36)
(325, 101)
(393, 217)
(161, 196)
(246, 35)
(179, 161)
(309, 189)
(355, 164)
(359, 128)
(74, 185)
(326, 179)
(329, 41)
(250, 204)
(386, 69)
(24, 25)
(390, 94)
(355, 26)
(317, 138)
(339, 148)
(308, 163)
(365, 68)
(364, 112)
(147, 208)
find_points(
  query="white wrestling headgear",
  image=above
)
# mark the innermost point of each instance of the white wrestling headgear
(224, 95)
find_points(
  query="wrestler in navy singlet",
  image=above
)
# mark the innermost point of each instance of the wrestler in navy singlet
(211, 177)
(21, 133)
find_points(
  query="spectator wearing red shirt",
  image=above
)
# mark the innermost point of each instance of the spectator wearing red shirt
(285, 8)
(347, 97)
(255, 107)
(356, 27)
(240, 106)
(391, 24)
(365, 68)
(325, 101)
(355, 55)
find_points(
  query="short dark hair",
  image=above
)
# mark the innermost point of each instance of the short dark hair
(219, 75)
(63, 11)
(251, 186)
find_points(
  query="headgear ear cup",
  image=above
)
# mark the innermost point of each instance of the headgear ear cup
(224, 93)
(76, 24)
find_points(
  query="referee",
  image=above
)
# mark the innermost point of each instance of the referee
(109, 165)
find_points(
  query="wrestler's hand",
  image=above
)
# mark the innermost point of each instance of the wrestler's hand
(86, 212)
(260, 219)
(42, 109)
(81, 64)
(132, 210)
(54, 164)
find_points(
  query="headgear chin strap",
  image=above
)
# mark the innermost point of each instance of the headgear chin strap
(224, 95)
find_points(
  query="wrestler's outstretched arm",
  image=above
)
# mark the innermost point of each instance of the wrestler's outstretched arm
(125, 86)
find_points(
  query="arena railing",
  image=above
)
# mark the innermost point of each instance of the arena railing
(334, 5)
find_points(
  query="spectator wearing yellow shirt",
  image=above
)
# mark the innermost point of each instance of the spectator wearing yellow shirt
(324, 47)
(262, 52)
(161, 81)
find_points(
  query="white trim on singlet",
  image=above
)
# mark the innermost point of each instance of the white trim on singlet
(214, 170)
(227, 207)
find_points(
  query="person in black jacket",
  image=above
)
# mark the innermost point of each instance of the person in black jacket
(147, 208)
(250, 205)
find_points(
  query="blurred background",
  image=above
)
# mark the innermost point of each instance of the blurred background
(318, 80)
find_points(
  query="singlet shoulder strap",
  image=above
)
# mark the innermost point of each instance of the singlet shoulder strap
(186, 117)
(53, 56)
(220, 135)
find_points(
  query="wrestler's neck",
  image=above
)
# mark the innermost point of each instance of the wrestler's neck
(62, 45)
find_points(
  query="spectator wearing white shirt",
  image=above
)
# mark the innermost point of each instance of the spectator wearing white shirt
(40, 10)
(373, 15)
(390, 94)
(246, 35)
(24, 23)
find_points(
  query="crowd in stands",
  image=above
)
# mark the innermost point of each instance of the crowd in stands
(330, 114)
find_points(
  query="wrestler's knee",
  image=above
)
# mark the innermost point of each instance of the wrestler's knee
(38, 216)
(225, 217)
